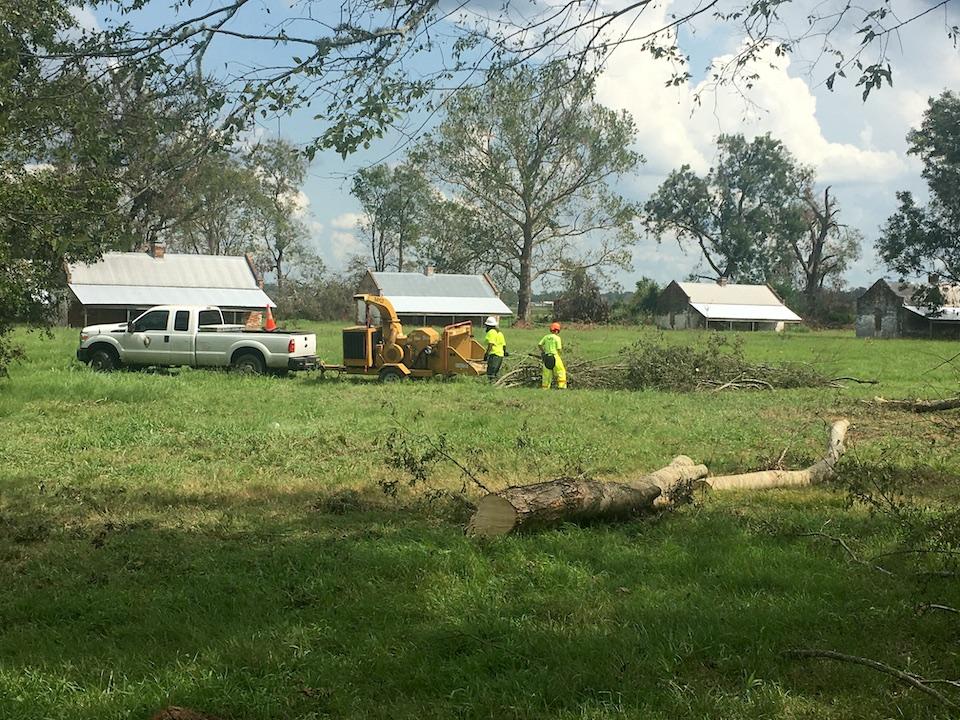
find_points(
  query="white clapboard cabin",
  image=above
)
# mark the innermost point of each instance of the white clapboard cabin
(720, 305)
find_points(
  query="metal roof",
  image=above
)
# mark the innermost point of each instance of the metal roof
(417, 305)
(737, 313)
(172, 270)
(439, 294)
(943, 313)
(147, 296)
(730, 294)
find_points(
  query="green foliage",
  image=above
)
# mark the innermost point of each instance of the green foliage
(741, 216)
(223, 197)
(394, 202)
(653, 363)
(920, 240)
(641, 305)
(532, 157)
(581, 299)
(58, 198)
(317, 295)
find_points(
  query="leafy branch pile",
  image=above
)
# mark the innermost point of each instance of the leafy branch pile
(652, 363)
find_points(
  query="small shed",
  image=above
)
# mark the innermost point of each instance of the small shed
(721, 305)
(431, 298)
(121, 285)
(888, 310)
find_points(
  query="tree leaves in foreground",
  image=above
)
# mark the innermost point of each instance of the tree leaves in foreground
(48, 213)
(919, 240)
(533, 156)
(360, 65)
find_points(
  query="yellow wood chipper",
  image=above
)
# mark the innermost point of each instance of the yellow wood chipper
(378, 346)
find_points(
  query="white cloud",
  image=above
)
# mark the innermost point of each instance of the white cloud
(672, 130)
(85, 18)
(343, 245)
(346, 221)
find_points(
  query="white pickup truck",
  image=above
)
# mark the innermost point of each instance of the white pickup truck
(194, 335)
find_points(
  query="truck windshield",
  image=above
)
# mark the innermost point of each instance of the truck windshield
(210, 317)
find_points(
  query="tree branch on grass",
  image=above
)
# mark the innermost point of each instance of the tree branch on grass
(915, 681)
(842, 543)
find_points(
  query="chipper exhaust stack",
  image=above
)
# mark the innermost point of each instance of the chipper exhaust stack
(378, 346)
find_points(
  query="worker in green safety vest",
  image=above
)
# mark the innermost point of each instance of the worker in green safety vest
(550, 347)
(496, 348)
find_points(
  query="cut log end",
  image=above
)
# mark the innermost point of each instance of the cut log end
(494, 516)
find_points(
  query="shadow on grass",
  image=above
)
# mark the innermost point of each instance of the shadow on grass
(284, 609)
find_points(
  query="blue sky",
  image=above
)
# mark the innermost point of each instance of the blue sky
(858, 148)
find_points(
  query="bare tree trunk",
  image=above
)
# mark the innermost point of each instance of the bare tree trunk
(525, 291)
(527, 507)
(920, 406)
(816, 473)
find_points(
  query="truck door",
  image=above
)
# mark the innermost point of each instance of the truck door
(149, 343)
(181, 338)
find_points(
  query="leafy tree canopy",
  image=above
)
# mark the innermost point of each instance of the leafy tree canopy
(741, 215)
(922, 240)
(532, 156)
(359, 63)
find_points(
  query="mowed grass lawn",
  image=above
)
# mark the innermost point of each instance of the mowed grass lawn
(221, 542)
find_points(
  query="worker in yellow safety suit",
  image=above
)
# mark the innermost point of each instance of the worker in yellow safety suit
(550, 347)
(496, 348)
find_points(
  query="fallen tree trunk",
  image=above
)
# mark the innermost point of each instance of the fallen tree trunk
(920, 406)
(816, 473)
(526, 507)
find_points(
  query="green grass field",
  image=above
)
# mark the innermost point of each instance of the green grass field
(222, 542)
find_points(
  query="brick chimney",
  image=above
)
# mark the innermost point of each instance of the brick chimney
(428, 270)
(722, 281)
(157, 249)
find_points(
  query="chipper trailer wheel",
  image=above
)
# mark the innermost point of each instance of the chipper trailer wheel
(391, 375)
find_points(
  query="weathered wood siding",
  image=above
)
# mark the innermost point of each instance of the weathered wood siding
(879, 312)
(674, 311)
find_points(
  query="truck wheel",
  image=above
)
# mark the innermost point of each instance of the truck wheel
(248, 364)
(102, 361)
(390, 375)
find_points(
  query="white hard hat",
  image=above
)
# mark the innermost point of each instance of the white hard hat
(491, 321)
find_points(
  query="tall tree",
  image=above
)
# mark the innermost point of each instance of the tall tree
(742, 216)
(394, 202)
(49, 214)
(826, 249)
(533, 155)
(222, 198)
(279, 171)
(921, 240)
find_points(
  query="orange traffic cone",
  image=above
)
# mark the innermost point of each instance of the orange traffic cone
(269, 325)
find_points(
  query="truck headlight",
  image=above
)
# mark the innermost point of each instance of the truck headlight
(84, 337)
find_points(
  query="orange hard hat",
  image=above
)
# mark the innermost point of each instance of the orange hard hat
(555, 327)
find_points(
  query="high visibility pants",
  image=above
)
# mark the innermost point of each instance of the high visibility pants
(559, 371)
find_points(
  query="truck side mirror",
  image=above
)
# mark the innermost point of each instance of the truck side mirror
(131, 327)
